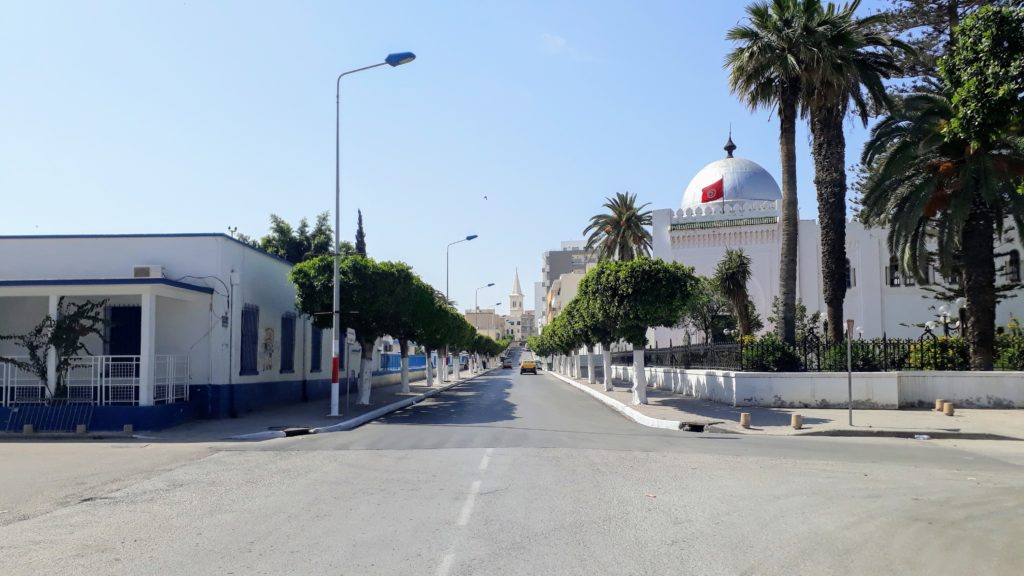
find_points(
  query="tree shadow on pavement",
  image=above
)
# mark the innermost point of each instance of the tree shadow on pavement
(759, 416)
(460, 405)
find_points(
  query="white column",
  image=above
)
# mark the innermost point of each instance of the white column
(147, 349)
(51, 354)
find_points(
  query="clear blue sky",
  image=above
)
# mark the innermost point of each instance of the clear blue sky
(194, 116)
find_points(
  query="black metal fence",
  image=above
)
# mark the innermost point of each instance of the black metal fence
(818, 354)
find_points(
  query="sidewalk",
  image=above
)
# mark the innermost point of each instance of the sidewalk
(301, 417)
(965, 424)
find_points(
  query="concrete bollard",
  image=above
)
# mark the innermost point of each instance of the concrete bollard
(745, 419)
(938, 404)
(80, 429)
(796, 421)
(27, 429)
(129, 428)
(947, 408)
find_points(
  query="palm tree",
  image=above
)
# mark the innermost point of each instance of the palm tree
(620, 234)
(943, 192)
(731, 277)
(766, 71)
(849, 62)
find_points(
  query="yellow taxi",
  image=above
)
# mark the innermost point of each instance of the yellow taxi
(528, 366)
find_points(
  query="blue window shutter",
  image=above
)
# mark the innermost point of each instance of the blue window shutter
(288, 343)
(250, 339)
(316, 350)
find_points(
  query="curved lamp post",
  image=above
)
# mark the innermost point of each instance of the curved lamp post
(447, 298)
(476, 298)
(392, 60)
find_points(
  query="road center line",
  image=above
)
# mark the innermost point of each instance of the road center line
(487, 459)
(467, 508)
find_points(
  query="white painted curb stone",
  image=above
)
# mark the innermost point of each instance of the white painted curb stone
(621, 408)
(394, 406)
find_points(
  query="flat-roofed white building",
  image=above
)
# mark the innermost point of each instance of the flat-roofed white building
(199, 325)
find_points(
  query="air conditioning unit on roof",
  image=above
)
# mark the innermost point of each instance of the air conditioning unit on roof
(147, 271)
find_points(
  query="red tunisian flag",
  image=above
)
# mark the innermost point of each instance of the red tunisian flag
(713, 192)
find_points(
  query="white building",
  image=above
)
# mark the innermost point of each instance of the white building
(735, 203)
(200, 325)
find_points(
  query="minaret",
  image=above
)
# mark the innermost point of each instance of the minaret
(515, 299)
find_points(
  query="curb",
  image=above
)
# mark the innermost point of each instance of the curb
(393, 407)
(621, 408)
(934, 435)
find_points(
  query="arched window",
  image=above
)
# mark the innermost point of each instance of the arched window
(894, 272)
(851, 275)
(1013, 267)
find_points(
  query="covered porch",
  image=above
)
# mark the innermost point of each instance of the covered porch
(155, 340)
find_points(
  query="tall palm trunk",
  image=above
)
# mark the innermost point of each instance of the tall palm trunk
(790, 216)
(829, 153)
(739, 304)
(980, 284)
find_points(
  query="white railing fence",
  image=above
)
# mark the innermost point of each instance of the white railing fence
(101, 380)
(20, 386)
(170, 378)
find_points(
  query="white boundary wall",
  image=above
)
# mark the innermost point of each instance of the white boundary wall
(876, 390)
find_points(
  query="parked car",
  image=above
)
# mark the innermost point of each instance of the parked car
(528, 366)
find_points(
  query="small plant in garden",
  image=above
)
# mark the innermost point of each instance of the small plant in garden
(863, 358)
(941, 353)
(1010, 352)
(770, 354)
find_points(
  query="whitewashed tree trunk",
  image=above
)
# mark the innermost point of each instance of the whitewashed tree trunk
(428, 375)
(365, 374)
(457, 367)
(404, 347)
(591, 373)
(577, 365)
(606, 358)
(639, 377)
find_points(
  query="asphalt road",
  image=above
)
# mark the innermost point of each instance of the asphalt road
(524, 475)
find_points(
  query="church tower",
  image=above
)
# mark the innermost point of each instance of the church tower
(515, 299)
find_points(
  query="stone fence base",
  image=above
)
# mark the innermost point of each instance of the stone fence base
(889, 390)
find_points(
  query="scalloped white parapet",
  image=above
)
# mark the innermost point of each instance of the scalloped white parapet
(730, 210)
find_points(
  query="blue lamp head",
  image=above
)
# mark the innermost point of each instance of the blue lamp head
(399, 58)
(471, 236)
(491, 284)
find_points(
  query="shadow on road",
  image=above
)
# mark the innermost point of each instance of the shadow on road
(461, 405)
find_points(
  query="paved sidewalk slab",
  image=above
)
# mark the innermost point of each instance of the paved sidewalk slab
(966, 423)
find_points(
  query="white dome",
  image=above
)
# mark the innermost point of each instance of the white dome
(741, 179)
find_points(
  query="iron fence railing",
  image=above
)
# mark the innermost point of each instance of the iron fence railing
(818, 354)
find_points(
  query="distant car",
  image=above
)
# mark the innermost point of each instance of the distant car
(506, 363)
(528, 366)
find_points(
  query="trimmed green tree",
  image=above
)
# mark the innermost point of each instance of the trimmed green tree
(642, 294)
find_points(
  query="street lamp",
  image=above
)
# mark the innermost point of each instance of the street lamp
(392, 60)
(944, 317)
(447, 298)
(447, 254)
(476, 298)
(849, 370)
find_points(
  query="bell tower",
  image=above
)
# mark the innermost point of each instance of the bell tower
(515, 299)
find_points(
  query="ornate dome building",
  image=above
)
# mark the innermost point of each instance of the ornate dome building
(736, 203)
